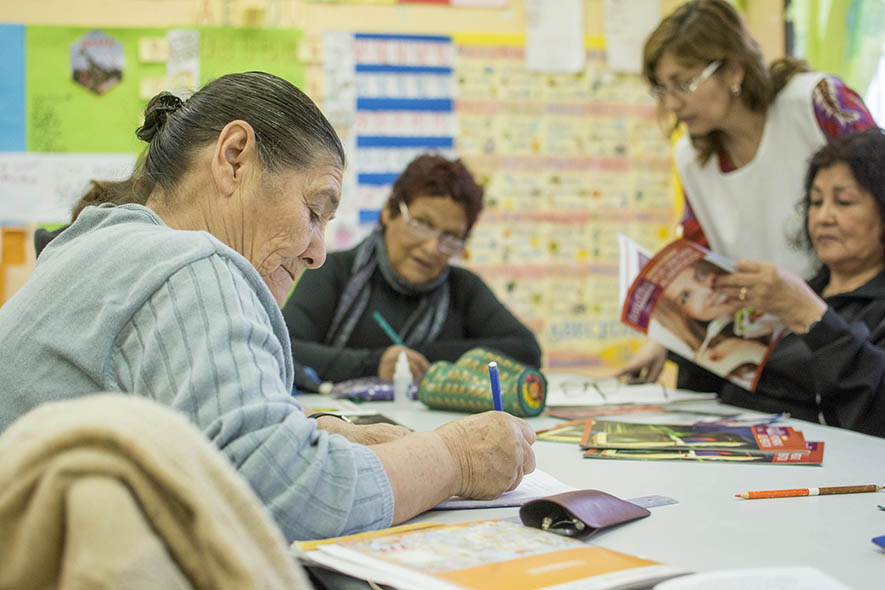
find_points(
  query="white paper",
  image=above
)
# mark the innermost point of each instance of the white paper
(43, 188)
(537, 484)
(627, 25)
(339, 79)
(334, 405)
(183, 62)
(567, 389)
(555, 36)
(766, 578)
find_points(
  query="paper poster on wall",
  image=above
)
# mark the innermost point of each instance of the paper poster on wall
(554, 36)
(64, 116)
(402, 91)
(227, 49)
(183, 61)
(627, 25)
(43, 188)
(97, 61)
(568, 161)
(12, 87)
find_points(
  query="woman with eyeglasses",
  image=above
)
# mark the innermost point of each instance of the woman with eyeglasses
(749, 131)
(402, 271)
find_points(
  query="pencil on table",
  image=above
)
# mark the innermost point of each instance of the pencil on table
(809, 492)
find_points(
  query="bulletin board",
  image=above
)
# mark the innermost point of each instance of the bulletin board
(568, 161)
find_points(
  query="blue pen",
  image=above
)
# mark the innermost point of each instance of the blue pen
(496, 386)
(394, 337)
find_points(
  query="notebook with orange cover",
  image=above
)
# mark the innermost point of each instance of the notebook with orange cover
(487, 554)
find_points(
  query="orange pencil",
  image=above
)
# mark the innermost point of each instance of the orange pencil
(809, 492)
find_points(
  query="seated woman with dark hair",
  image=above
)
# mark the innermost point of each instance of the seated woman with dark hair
(402, 271)
(831, 367)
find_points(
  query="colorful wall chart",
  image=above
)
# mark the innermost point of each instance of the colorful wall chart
(401, 100)
(569, 161)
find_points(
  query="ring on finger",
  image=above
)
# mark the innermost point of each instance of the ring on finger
(743, 294)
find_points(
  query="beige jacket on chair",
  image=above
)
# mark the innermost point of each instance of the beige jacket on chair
(116, 491)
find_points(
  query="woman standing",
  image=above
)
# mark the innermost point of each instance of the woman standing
(750, 130)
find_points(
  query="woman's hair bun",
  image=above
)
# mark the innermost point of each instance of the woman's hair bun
(155, 114)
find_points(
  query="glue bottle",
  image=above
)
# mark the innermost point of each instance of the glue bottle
(402, 381)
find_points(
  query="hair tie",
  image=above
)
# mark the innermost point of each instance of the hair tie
(169, 103)
(158, 110)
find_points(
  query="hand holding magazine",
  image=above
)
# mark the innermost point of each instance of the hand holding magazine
(671, 299)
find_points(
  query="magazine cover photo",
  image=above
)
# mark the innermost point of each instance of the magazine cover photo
(673, 302)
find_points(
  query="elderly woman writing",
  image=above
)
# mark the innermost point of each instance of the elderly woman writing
(402, 271)
(178, 300)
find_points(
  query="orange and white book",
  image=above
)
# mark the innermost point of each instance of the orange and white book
(486, 554)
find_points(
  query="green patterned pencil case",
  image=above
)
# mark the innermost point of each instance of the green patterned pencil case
(464, 386)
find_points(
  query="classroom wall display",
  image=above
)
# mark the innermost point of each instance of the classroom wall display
(64, 115)
(73, 97)
(568, 162)
(391, 98)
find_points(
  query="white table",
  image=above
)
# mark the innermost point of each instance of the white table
(711, 529)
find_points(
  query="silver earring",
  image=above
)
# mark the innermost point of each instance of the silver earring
(735, 90)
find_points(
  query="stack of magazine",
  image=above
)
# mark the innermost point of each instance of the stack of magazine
(699, 441)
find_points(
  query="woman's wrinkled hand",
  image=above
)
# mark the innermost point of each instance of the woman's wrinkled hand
(492, 451)
(646, 365)
(768, 288)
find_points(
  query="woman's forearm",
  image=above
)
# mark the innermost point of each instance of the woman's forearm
(422, 473)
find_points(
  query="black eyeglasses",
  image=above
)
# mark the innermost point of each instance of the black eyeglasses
(448, 243)
(683, 89)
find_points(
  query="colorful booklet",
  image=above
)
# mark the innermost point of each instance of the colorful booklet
(762, 438)
(486, 554)
(571, 431)
(814, 456)
(671, 300)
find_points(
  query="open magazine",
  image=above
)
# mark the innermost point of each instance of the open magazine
(670, 299)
